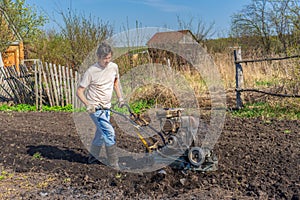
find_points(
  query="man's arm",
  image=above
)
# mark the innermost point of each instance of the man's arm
(117, 88)
(81, 96)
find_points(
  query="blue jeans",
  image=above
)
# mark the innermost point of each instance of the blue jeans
(105, 133)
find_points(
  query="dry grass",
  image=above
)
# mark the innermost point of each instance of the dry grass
(281, 77)
(274, 76)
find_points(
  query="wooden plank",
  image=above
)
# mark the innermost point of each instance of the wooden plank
(65, 84)
(75, 93)
(24, 91)
(46, 83)
(27, 77)
(72, 88)
(79, 103)
(68, 85)
(40, 87)
(53, 84)
(4, 85)
(57, 83)
(50, 84)
(61, 86)
(13, 85)
(36, 88)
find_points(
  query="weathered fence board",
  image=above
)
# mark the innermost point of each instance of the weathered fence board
(61, 86)
(46, 84)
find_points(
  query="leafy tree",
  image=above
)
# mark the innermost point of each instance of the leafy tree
(82, 34)
(50, 47)
(5, 33)
(25, 18)
(76, 37)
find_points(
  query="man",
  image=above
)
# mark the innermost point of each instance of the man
(99, 81)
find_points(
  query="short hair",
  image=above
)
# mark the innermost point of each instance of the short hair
(103, 50)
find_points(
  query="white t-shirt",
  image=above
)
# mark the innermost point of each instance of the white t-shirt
(99, 83)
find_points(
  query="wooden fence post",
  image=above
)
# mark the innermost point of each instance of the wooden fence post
(40, 84)
(238, 77)
(36, 88)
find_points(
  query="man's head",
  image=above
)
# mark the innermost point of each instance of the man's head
(104, 53)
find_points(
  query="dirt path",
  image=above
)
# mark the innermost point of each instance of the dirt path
(42, 157)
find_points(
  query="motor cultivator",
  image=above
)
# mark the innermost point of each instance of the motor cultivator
(175, 143)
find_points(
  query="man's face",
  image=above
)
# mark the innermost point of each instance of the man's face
(103, 61)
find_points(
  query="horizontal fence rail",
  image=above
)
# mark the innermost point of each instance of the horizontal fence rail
(265, 59)
(239, 77)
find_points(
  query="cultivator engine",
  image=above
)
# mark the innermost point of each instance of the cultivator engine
(175, 142)
(181, 139)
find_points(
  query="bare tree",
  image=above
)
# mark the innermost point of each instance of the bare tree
(197, 26)
(253, 21)
(295, 18)
(268, 20)
(281, 17)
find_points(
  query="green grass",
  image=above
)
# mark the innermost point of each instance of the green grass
(137, 107)
(264, 83)
(141, 105)
(27, 108)
(4, 175)
(37, 155)
(267, 110)
(255, 110)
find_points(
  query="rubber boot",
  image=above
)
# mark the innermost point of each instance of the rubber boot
(94, 154)
(113, 159)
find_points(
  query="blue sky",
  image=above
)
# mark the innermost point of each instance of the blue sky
(149, 13)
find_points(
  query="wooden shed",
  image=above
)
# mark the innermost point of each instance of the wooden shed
(172, 47)
(14, 54)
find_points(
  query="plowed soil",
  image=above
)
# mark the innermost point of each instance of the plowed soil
(42, 157)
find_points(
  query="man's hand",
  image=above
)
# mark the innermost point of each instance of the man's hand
(90, 108)
(121, 102)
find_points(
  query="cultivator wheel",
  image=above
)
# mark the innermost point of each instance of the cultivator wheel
(196, 156)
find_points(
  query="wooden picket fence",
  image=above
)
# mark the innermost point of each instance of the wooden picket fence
(40, 84)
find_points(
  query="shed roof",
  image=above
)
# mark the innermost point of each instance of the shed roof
(169, 37)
